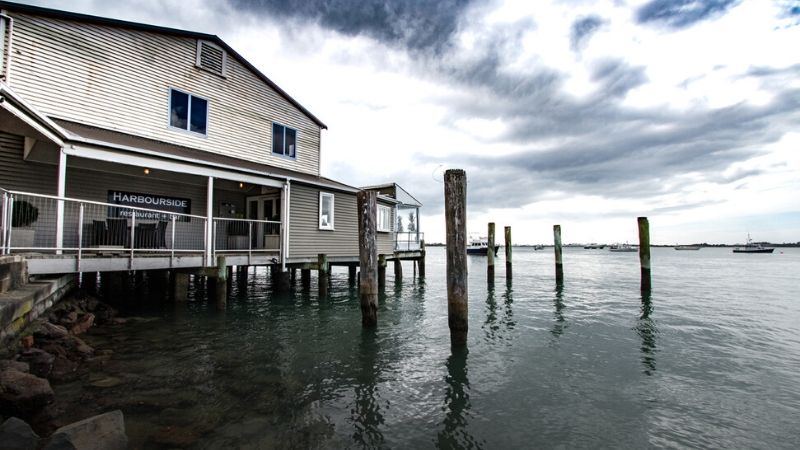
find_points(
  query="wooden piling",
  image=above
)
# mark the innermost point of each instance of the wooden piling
(381, 273)
(322, 275)
(351, 275)
(490, 254)
(89, 281)
(557, 248)
(368, 257)
(421, 260)
(305, 278)
(644, 252)
(508, 252)
(455, 208)
(221, 284)
(398, 271)
(180, 286)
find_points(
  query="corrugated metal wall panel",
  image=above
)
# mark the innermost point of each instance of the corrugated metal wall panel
(119, 79)
(18, 174)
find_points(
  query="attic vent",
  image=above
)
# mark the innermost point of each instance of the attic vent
(211, 57)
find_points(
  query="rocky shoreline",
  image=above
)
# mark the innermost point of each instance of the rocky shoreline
(50, 350)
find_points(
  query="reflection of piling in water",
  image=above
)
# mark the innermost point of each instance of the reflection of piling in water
(456, 430)
(644, 252)
(323, 275)
(508, 252)
(557, 247)
(368, 257)
(558, 303)
(646, 329)
(366, 413)
(490, 254)
(455, 206)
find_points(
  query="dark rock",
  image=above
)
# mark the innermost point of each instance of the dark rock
(26, 341)
(69, 319)
(22, 393)
(103, 432)
(16, 365)
(63, 370)
(40, 361)
(15, 434)
(83, 324)
(48, 330)
(175, 436)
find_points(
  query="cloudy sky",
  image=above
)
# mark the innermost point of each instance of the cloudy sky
(583, 113)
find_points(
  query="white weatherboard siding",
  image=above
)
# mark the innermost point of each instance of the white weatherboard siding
(306, 240)
(119, 79)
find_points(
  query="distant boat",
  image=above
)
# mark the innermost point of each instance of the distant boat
(480, 246)
(538, 247)
(687, 247)
(622, 248)
(752, 247)
(594, 246)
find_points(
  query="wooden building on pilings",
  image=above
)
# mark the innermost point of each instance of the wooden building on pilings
(128, 147)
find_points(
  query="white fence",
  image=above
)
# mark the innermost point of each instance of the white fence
(30, 224)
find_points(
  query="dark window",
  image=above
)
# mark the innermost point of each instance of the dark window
(284, 140)
(188, 112)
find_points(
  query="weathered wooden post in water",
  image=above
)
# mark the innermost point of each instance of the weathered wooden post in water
(221, 284)
(508, 252)
(644, 252)
(322, 275)
(557, 246)
(381, 273)
(490, 254)
(455, 212)
(368, 257)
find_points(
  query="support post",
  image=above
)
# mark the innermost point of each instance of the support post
(455, 208)
(221, 282)
(351, 275)
(210, 222)
(381, 273)
(62, 191)
(557, 247)
(508, 252)
(89, 281)
(305, 278)
(644, 252)
(323, 277)
(180, 286)
(421, 261)
(490, 254)
(398, 271)
(368, 257)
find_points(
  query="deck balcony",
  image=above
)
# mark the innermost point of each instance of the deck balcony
(67, 235)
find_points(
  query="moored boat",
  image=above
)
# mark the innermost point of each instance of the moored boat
(480, 246)
(622, 248)
(687, 247)
(752, 247)
(594, 246)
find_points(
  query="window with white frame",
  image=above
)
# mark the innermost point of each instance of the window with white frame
(384, 218)
(284, 140)
(325, 211)
(188, 112)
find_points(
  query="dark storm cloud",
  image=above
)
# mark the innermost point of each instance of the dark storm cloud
(419, 25)
(582, 31)
(682, 13)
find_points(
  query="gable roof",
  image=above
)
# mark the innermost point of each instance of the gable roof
(67, 15)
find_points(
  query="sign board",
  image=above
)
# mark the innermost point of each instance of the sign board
(149, 201)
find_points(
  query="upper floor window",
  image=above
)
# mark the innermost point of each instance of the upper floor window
(325, 211)
(384, 218)
(187, 112)
(284, 140)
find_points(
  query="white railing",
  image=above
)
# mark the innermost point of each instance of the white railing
(408, 241)
(30, 223)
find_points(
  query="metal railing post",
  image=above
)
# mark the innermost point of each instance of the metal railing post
(10, 224)
(172, 242)
(133, 237)
(249, 243)
(214, 241)
(206, 248)
(80, 236)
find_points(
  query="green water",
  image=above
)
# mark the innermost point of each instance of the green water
(710, 360)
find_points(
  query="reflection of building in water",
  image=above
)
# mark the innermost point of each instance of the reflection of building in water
(646, 329)
(456, 428)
